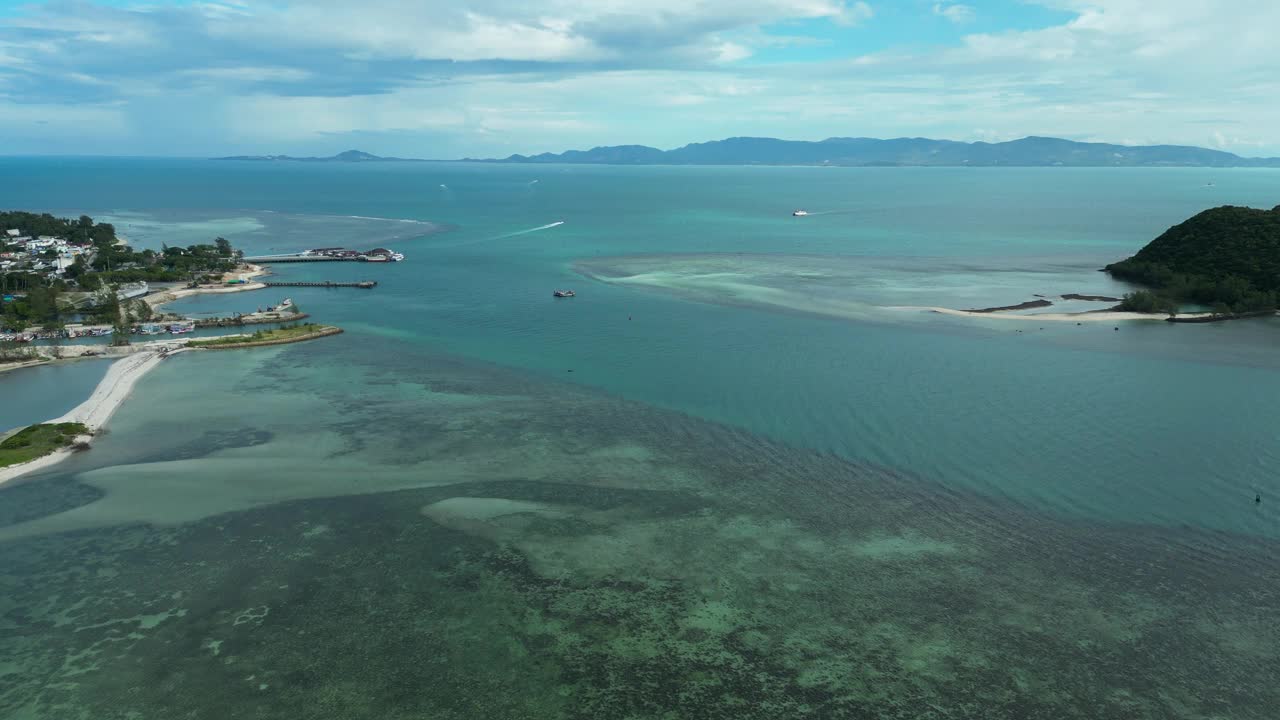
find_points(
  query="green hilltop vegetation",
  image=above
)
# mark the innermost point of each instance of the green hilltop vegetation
(38, 441)
(1227, 258)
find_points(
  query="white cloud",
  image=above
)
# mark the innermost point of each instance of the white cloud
(557, 30)
(554, 74)
(855, 13)
(248, 74)
(956, 13)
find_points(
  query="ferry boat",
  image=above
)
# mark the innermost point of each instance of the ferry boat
(563, 293)
(799, 213)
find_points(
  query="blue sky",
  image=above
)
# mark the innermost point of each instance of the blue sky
(441, 78)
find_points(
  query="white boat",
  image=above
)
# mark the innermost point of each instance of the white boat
(799, 213)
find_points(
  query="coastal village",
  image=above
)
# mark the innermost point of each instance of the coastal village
(64, 279)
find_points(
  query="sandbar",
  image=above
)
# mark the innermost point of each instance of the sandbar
(94, 412)
(1093, 316)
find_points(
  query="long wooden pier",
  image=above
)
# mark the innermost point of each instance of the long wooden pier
(365, 284)
(297, 259)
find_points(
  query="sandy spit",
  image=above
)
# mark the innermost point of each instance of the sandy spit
(111, 392)
(1103, 316)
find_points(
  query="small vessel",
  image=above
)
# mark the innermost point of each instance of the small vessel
(799, 213)
(563, 293)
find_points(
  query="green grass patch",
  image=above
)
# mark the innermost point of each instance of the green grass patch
(289, 332)
(38, 441)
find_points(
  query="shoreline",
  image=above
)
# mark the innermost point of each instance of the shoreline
(1088, 316)
(111, 392)
(164, 297)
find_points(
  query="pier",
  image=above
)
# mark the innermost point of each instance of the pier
(298, 259)
(366, 284)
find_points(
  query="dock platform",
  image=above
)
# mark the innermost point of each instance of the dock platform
(365, 284)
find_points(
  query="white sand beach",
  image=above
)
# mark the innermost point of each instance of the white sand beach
(111, 392)
(1102, 316)
(155, 300)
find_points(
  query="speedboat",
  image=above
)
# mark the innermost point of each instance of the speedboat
(563, 293)
(799, 213)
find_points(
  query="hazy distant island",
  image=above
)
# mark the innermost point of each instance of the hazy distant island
(858, 152)
(1227, 258)
(350, 156)
(871, 152)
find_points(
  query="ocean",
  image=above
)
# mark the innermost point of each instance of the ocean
(741, 472)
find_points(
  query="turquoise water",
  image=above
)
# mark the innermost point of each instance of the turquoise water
(742, 483)
(41, 393)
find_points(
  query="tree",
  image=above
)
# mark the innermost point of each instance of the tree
(1145, 301)
(76, 268)
(40, 306)
(120, 324)
(224, 247)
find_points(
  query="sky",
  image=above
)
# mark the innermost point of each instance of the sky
(487, 78)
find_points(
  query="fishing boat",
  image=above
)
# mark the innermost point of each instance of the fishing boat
(563, 293)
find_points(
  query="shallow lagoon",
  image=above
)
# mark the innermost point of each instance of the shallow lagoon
(461, 541)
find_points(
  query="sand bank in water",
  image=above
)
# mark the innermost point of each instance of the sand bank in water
(116, 385)
(1094, 316)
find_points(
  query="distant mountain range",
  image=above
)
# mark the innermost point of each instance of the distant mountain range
(865, 152)
(1027, 152)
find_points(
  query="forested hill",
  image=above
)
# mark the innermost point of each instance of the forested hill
(1228, 255)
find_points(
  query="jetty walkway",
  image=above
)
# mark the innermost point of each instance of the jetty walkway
(296, 259)
(366, 284)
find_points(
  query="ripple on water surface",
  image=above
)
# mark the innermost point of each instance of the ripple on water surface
(458, 541)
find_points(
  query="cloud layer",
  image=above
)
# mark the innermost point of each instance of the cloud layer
(446, 79)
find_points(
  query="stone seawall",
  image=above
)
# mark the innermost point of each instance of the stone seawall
(283, 341)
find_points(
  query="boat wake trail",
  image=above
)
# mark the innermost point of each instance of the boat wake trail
(548, 226)
(518, 233)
